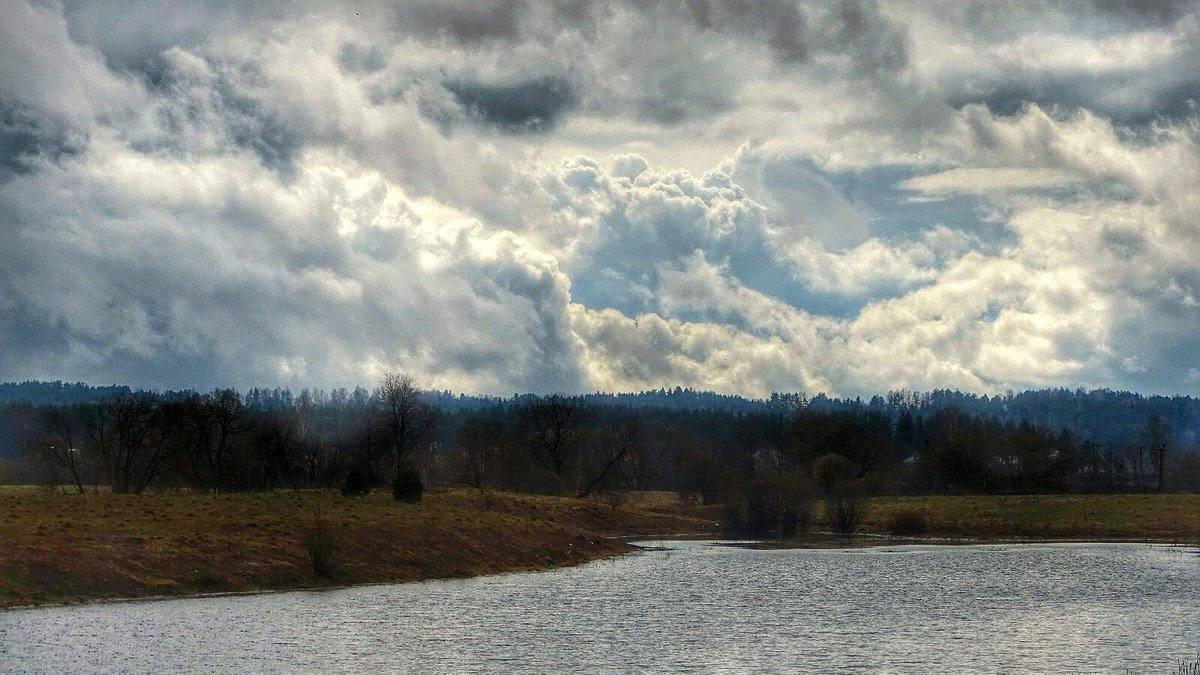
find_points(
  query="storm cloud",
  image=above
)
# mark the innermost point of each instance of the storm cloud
(524, 106)
(568, 196)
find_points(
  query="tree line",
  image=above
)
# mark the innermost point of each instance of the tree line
(764, 462)
(1111, 418)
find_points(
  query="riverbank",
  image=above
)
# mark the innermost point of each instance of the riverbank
(57, 548)
(1138, 517)
(66, 548)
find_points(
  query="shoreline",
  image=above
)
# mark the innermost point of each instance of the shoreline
(829, 542)
(68, 549)
(877, 541)
(71, 550)
(82, 602)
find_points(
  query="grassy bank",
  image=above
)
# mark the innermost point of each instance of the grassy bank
(1143, 517)
(56, 548)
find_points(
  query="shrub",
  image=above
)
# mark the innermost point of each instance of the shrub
(321, 547)
(846, 500)
(745, 512)
(795, 505)
(407, 486)
(845, 511)
(776, 505)
(357, 483)
(908, 522)
(795, 518)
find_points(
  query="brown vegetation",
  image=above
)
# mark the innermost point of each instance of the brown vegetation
(62, 548)
(1141, 517)
(59, 548)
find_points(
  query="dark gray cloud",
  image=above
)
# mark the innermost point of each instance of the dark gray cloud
(199, 98)
(531, 105)
(1146, 12)
(987, 19)
(29, 137)
(1133, 98)
(130, 35)
(34, 340)
(797, 32)
(664, 62)
(463, 20)
(1131, 62)
(782, 23)
(876, 45)
(251, 125)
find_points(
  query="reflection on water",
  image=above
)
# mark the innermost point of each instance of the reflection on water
(1049, 608)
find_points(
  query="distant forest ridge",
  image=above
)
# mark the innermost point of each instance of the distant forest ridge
(1100, 415)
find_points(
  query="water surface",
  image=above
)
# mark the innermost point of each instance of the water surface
(1045, 608)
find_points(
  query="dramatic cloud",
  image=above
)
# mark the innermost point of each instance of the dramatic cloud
(532, 105)
(566, 196)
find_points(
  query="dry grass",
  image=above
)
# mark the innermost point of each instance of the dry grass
(61, 548)
(1169, 517)
(56, 548)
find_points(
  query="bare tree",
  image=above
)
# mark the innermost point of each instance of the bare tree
(481, 444)
(554, 424)
(409, 419)
(318, 463)
(364, 456)
(646, 457)
(228, 411)
(274, 443)
(207, 425)
(60, 448)
(129, 434)
(610, 449)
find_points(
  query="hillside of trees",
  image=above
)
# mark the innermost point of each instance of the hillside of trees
(1111, 418)
(707, 445)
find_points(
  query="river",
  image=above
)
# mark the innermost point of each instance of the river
(698, 607)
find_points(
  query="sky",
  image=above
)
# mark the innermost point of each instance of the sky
(576, 195)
